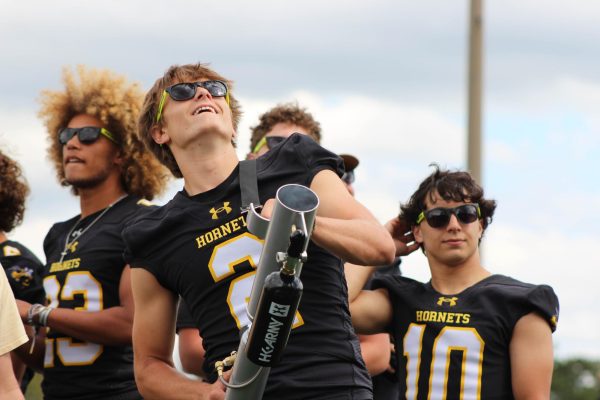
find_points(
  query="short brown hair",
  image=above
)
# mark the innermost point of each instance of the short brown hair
(13, 192)
(114, 101)
(176, 74)
(290, 113)
(450, 186)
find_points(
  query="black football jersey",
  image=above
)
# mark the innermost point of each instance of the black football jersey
(88, 279)
(184, 317)
(457, 346)
(24, 272)
(200, 248)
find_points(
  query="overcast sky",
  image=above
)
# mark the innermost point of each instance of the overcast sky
(387, 81)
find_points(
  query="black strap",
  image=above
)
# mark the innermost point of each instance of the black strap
(249, 185)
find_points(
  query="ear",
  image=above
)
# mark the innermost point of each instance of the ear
(417, 234)
(480, 229)
(159, 134)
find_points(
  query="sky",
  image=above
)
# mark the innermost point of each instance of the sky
(387, 79)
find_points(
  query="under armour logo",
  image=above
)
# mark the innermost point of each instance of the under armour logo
(215, 211)
(451, 301)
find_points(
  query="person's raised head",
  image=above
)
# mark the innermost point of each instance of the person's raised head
(172, 93)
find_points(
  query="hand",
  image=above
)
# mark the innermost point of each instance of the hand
(217, 390)
(267, 210)
(402, 235)
(23, 307)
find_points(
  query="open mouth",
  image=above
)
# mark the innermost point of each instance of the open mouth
(203, 109)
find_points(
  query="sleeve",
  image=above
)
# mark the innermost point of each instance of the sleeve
(184, 316)
(25, 273)
(544, 301)
(301, 155)
(12, 334)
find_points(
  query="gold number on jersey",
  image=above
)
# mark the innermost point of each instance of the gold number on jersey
(463, 339)
(225, 258)
(76, 283)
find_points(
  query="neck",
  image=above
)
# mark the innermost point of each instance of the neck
(99, 197)
(453, 279)
(203, 171)
(3, 237)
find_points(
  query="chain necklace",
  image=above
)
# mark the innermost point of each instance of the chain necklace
(79, 232)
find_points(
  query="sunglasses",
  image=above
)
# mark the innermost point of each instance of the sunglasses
(348, 177)
(187, 90)
(269, 141)
(87, 134)
(440, 217)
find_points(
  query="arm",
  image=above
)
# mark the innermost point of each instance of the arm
(376, 352)
(110, 327)
(371, 311)
(9, 388)
(531, 358)
(357, 277)
(191, 351)
(345, 227)
(153, 341)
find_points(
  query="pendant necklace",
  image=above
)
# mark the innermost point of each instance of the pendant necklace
(79, 232)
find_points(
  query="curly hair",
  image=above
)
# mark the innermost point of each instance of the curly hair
(110, 98)
(177, 74)
(451, 186)
(13, 192)
(290, 113)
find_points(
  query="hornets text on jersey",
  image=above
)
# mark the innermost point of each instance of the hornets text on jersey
(457, 346)
(88, 279)
(200, 248)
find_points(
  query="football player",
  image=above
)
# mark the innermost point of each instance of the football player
(198, 246)
(23, 269)
(467, 333)
(87, 323)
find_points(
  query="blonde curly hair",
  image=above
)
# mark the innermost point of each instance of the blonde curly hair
(110, 98)
(177, 74)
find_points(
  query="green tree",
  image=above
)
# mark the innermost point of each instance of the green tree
(576, 379)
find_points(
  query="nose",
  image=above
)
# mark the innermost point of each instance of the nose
(73, 142)
(202, 92)
(453, 224)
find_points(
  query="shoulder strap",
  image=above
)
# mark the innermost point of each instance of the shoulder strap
(249, 185)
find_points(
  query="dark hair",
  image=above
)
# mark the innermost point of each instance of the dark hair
(13, 192)
(177, 74)
(290, 113)
(450, 186)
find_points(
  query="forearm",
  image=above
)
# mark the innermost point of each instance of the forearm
(357, 277)
(172, 384)
(110, 327)
(33, 357)
(359, 241)
(375, 350)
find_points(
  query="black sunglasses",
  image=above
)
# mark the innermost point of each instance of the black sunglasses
(269, 141)
(440, 217)
(348, 177)
(86, 134)
(187, 90)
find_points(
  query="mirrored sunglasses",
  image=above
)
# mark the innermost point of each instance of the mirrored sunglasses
(86, 134)
(440, 217)
(187, 90)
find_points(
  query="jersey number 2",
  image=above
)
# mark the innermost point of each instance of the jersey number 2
(225, 257)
